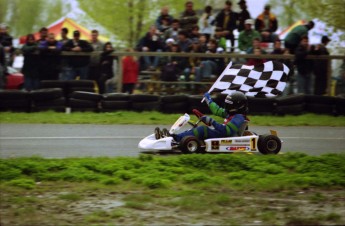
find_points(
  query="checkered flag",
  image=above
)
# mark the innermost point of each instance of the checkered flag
(267, 79)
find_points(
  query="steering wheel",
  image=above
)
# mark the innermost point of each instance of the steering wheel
(197, 113)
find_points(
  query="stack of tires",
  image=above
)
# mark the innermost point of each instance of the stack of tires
(145, 102)
(45, 84)
(80, 85)
(291, 105)
(174, 104)
(261, 105)
(15, 100)
(48, 99)
(85, 101)
(340, 106)
(321, 104)
(194, 102)
(115, 102)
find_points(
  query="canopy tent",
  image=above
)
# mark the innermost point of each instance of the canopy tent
(71, 25)
(287, 30)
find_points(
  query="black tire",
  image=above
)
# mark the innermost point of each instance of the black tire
(115, 105)
(293, 99)
(145, 106)
(316, 99)
(174, 99)
(59, 102)
(46, 94)
(49, 108)
(81, 83)
(22, 103)
(53, 84)
(76, 103)
(116, 96)
(257, 105)
(144, 98)
(291, 109)
(82, 89)
(329, 109)
(269, 144)
(180, 107)
(13, 95)
(340, 106)
(81, 95)
(190, 145)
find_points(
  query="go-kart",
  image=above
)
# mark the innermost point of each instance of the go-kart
(245, 141)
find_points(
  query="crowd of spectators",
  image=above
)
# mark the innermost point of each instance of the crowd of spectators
(191, 32)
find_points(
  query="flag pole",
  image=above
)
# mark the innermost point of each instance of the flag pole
(218, 79)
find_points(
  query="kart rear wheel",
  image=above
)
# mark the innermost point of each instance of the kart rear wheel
(269, 144)
(190, 144)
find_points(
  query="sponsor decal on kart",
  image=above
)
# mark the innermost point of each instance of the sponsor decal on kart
(238, 148)
(242, 141)
(215, 145)
(226, 142)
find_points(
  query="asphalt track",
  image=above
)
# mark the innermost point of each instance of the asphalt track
(60, 141)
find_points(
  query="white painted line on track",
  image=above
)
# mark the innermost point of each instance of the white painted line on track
(138, 137)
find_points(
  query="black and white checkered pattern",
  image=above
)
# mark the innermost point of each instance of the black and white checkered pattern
(267, 79)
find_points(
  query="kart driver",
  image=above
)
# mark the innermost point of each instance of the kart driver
(234, 114)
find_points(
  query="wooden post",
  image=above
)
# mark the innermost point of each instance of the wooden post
(329, 77)
(119, 80)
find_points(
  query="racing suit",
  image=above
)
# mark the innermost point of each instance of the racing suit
(229, 128)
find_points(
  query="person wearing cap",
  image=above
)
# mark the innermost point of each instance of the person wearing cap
(243, 15)
(227, 20)
(246, 37)
(79, 65)
(266, 23)
(293, 38)
(321, 66)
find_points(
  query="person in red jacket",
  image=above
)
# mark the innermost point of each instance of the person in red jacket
(130, 71)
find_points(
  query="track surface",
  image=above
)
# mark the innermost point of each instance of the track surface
(60, 141)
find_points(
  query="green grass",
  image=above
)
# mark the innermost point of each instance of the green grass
(289, 189)
(149, 118)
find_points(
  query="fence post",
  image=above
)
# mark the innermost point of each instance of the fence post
(119, 80)
(329, 77)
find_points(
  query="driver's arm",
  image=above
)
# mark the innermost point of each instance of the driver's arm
(231, 128)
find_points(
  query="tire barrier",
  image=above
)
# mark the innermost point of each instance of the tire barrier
(15, 100)
(48, 99)
(115, 102)
(54, 99)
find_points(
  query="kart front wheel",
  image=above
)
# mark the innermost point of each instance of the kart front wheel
(269, 144)
(189, 145)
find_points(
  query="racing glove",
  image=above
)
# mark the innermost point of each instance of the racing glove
(207, 120)
(208, 98)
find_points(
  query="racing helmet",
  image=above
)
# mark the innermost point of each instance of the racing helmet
(236, 103)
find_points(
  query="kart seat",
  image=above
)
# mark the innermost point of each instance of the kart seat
(243, 127)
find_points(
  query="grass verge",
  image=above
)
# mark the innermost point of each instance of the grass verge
(149, 118)
(287, 189)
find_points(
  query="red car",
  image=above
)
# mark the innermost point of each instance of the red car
(15, 79)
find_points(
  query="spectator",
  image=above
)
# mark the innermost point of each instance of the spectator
(168, 44)
(246, 37)
(151, 42)
(164, 19)
(64, 33)
(2, 67)
(64, 67)
(31, 64)
(256, 50)
(183, 41)
(79, 65)
(6, 41)
(195, 34)
(277, 49)
(211, 67)
(173, 67)
(43, 35)
(173, 31)
(219, 35)
(266, 23)
(192, 62)
(293, 39)
(321, 67)
(188, 18)
(50, 58)
(203, 43)
(227, 21)
(130, 68)
(95, 67)
(304, 66)
(107, 67)
(205, 22)
(243, 15)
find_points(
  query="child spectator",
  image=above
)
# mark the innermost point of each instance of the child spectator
(130, 71)
(205, 22)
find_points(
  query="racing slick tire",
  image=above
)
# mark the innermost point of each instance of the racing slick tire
(269, 144)
(190, 145)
